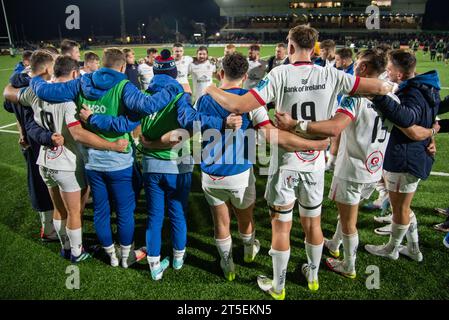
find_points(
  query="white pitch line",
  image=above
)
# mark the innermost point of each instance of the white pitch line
(445, 88)
(6, 69)
(8, 125)
(9, 131)
(440, 174)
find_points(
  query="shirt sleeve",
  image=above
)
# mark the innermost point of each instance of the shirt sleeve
(265, 91)
(259, 117)
(348, 106)
(25, 97)
(344, 83)
(71, 116)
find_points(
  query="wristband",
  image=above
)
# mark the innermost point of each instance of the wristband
(301, 126)
(433, 132)
(88, 118)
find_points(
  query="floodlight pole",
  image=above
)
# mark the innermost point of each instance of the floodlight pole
(7, 29)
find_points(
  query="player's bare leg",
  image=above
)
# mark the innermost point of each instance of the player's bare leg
(73, 202)
(247, 232)
(314, 248)
(348, 220)
(222, 221)
(60, 220)
(281, 225)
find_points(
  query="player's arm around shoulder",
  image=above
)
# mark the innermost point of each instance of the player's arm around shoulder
(289, 141)
(91, 140)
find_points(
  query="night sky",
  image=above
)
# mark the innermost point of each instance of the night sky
(39, 20)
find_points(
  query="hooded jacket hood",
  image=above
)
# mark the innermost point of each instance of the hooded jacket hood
(96, 85)
(428, 84)
(159, 82)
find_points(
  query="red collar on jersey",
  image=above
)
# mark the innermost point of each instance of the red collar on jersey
(302, 63)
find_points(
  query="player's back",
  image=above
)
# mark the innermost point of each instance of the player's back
(363, 143)
(307, 92)
(310, 91)
(57, 118)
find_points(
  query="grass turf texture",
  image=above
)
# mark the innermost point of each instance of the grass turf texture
(32, 270)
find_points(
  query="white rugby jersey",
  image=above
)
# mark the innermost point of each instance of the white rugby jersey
(183, 69)
(202, 77)
(57, 118)
(259, 118)
(146, 74)
(306, 92)
(256, 72)
(363, 143)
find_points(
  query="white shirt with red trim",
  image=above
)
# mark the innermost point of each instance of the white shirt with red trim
(202, 77)
(183, 69)
(256, 72)
(363, 143)
(57, 118)
(260, 118)
(306, 92)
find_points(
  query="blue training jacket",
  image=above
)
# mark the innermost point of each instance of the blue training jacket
(233, 146)
(25, 115)
(96, 85)
(420, 99)
(186, 113)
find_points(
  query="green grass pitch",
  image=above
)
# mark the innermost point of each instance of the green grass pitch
(32, 270)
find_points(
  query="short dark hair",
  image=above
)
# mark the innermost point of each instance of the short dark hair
(375, 59)
(304, 36)
(178, 45)
(113, 58)
(281, 45)
(202, 48)
(254, 47)
(344, 53)
(151, 50)
(40, 59)
(67, 45)
(51, 48)
(127, 51)
(64, 65)
(235, 66)
(328, 44)
(26, 55)
(403, 59)
(384, 47)
(91, 56)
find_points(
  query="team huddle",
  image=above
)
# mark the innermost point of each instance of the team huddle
(87, 127)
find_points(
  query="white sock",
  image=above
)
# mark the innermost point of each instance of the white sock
(314, 253)
(112, 254)
(224, 247)
(350, 244)
(398, 232)
(154, 262)
(412, 234)
(62, 235)
(76, 241)
(178, 254)
(125, 250)
(248, 239)
(280, 262)
(338, 236)
(47, 221)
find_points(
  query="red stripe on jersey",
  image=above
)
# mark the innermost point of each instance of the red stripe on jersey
(346, 112)
(262, 124)
(356, 86)
(76, 123)
(258, 98)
